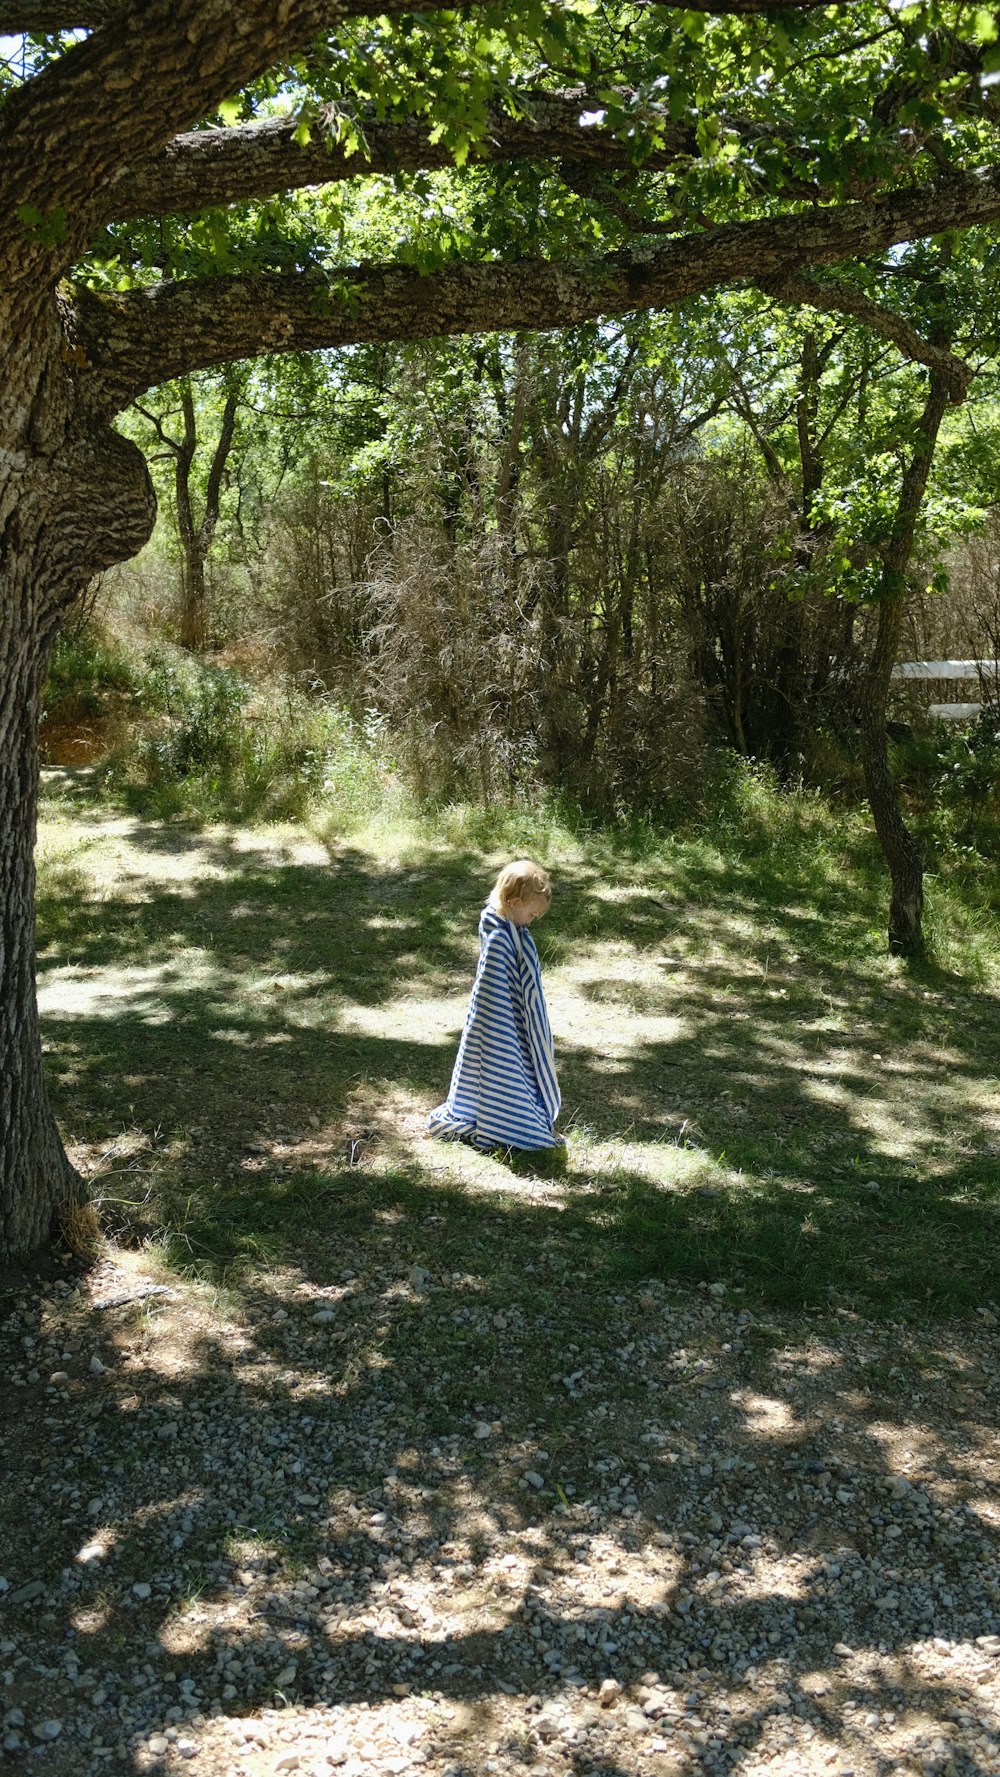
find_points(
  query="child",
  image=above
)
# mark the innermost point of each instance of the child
(504, 1091)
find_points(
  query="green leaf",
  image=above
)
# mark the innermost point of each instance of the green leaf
(229, 111)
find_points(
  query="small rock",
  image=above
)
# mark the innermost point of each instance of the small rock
(483, 1431)
(142, 1589)
(33, 1589)
(96, 1367)
(547, 1728)
(48, 1730)
(158, 1743)
(323, 1317)
(533, 1478)
(289, 1761)
(609, 1693)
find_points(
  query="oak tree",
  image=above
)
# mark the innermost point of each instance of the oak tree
(617, 157)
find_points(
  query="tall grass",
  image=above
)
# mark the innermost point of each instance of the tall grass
(206, 741)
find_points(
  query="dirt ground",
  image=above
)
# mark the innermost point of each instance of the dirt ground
(299, 1528)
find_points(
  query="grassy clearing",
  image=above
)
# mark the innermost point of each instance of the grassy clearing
(247, 1028)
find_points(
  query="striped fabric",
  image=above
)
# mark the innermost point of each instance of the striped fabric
(504, 1091)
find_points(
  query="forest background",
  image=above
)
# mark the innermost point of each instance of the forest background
(617, 568)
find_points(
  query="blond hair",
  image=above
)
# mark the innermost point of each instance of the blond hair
(523, 880)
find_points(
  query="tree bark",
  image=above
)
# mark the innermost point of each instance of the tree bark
(902, 853)
(78, 502)
(192, 616)
(36, 1179)
(132, 340)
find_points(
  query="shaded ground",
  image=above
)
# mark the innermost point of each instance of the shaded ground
(400, 1511)
(430, 1464)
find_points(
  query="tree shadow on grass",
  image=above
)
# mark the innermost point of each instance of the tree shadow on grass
(295, 1491)
(748, 1096)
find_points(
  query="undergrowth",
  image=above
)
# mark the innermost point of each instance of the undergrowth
(199, 739)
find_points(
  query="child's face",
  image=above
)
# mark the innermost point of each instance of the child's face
(523, 912)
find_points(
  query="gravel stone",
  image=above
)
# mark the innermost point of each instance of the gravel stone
(755, 1550)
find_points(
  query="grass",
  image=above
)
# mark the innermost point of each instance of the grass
(246, 1029)
(172, 736)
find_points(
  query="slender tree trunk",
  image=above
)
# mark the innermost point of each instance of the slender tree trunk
(902, 853)
(196, 539)
(192, 624)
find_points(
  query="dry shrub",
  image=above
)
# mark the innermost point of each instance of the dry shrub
(773, 648)
(964, 621)
(314, 585)
(454, 663)
(80, 1228)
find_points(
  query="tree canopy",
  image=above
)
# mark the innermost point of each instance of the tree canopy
(473, 167)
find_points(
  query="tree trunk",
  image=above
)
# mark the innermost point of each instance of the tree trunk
(36, 1179)
(196, 539)
(192, 625)
(902, 852)
(67, 512)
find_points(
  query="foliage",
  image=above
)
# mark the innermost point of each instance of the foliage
(232, 751)
(88, 669)
(951, 775)
(192, 738)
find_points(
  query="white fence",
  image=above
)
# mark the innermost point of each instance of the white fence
(952, 672)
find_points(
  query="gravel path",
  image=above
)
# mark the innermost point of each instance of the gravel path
(381, 1516)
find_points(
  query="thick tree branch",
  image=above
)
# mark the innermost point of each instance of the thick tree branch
(52, 16)
(839, 298)
(119, 96)
(206, 167)
(133, 341)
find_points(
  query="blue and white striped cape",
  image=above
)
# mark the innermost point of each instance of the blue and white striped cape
(504, 1091)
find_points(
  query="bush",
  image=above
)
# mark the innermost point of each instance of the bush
(88, 673)
(949, 776)
(221, 747)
